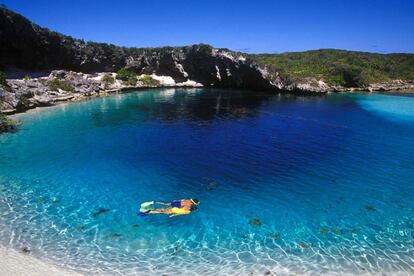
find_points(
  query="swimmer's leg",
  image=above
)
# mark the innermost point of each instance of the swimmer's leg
(166, 211)
(162, 203)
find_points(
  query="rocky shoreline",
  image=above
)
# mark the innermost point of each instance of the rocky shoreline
(313, 86)
(22, 94)
(59, 86)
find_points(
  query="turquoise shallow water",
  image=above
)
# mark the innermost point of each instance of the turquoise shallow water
(287, 184)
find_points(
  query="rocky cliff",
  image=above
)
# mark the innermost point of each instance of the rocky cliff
(27, 46)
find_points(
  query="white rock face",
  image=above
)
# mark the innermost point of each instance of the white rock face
(169, 81)
(181, 69)
(164, 80)
(226, 55)
(242, 58)
(313, 85)
(189, 83)
(218, 73)
(228, 72)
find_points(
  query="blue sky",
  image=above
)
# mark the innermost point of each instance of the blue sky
(244, 25)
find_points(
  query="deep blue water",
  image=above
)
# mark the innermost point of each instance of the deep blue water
(328, 181)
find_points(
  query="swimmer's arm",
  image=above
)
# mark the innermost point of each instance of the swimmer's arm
(166, 211)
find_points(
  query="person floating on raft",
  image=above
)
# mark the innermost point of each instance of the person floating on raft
(175, 208)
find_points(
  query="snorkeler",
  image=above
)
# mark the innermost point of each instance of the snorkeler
(175, 208)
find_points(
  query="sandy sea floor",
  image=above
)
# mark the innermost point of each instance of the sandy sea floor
(14, 263)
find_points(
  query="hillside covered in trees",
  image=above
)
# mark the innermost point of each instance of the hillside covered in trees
(340, 67)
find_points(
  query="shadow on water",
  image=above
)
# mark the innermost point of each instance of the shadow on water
(281, 146)
(171, 105)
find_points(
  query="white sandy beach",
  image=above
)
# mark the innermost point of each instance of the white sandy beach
(13, 263)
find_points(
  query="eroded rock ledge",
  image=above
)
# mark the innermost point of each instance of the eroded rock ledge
(61, 86)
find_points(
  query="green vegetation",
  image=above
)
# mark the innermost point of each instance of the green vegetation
(149, 81)
(339, 67)
(7, 124)
(108, 80)
(128, 77)
(26, 78)
(204, 48)
(23, 102)
(3, 78)
(56, 84)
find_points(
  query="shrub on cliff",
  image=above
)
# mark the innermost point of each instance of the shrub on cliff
(24, 102)
(354, 78)
(128, 77)
(350, 76)
(147, 80)
(56, 84)
(7, 124)
(108, 80)
(2, 78)
(204, 48)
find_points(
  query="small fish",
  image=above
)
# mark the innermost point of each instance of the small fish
(100, 212)
(135, 225)
(304, 245)
(81, 228)
(116, 235)
(324, 231)
(337, 231)
(211, 186)
(274, 236)
(255, 222)
(26, 250)
(370, 208)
